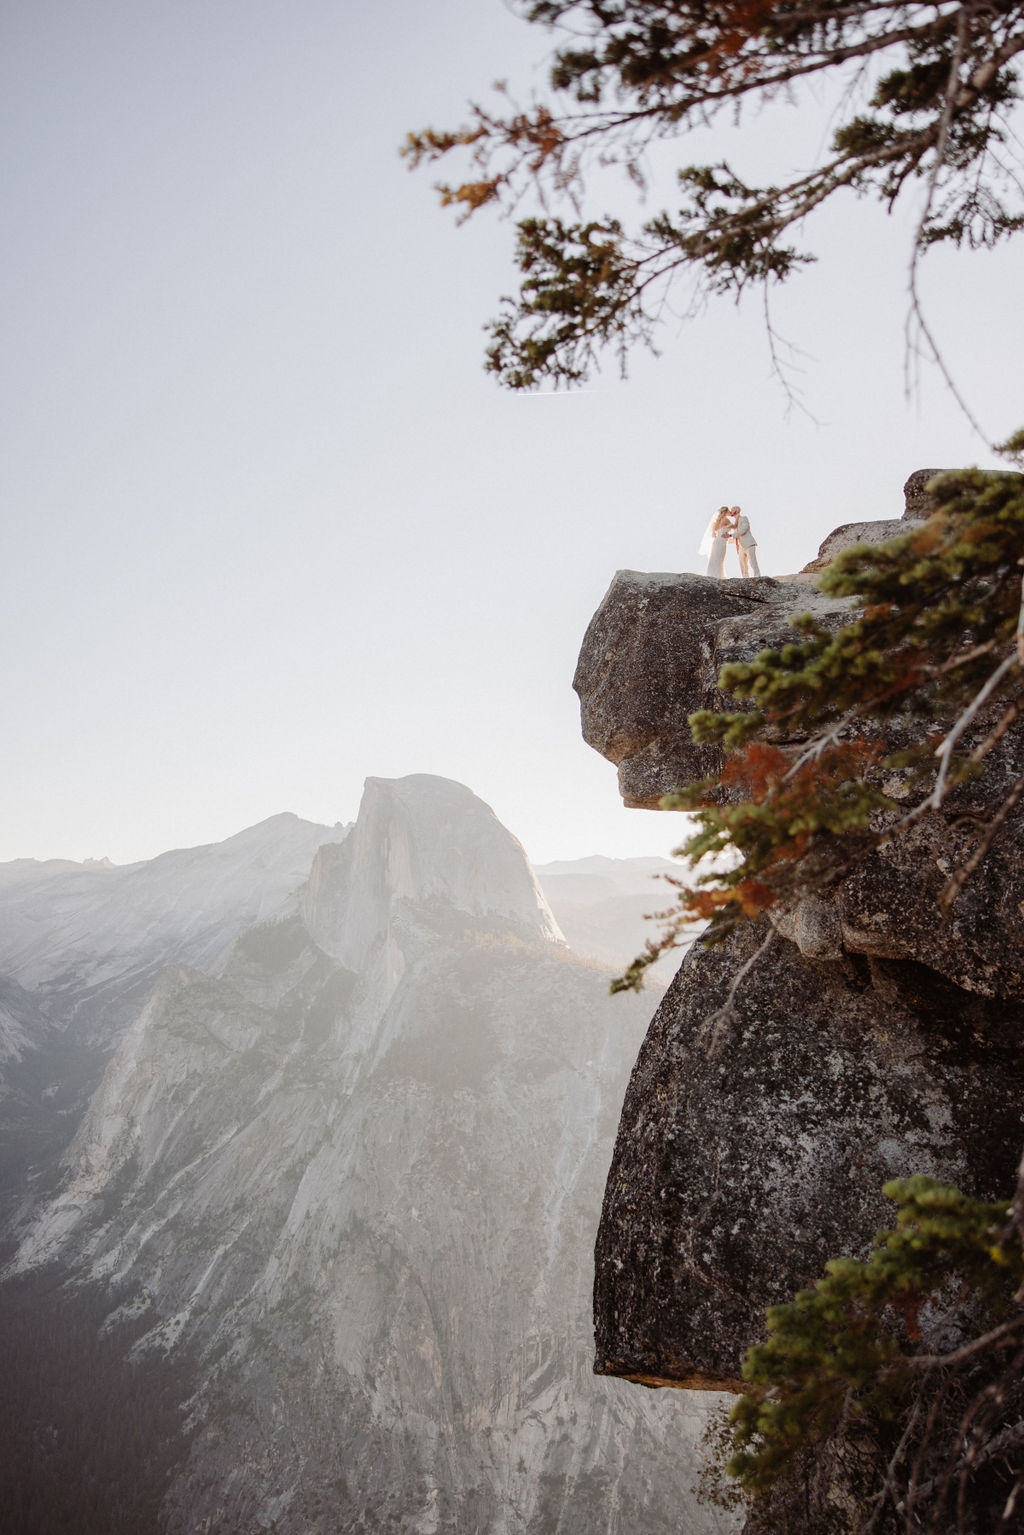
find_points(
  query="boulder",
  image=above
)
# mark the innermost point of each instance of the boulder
(852, 533)
(651, 656)
(918, 505)
(915, 493)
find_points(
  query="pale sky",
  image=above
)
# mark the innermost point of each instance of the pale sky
(269, 528)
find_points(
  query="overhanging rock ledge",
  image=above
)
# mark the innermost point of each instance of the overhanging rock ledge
(871, 1038)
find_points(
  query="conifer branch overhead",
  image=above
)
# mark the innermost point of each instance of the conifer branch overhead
(940, 83)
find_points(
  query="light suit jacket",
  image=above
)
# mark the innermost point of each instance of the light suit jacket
(743, 535)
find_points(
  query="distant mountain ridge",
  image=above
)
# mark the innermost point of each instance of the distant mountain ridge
(356, 1175)
(602, 905)
(89, 939)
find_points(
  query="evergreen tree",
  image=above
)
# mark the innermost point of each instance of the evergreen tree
(939, 82)
(890, 1397)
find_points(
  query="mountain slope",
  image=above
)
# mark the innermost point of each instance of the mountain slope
(88, 939)
(359, 1173)
(601, 903)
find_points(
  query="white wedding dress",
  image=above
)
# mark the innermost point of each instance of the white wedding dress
(716, 562)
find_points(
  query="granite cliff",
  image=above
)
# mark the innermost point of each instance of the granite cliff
(871, 1037)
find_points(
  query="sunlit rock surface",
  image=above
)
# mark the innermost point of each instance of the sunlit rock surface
(917, 505)
(359, 1172)
(420, 841)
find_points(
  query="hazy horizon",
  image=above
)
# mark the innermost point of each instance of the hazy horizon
(271, 529)
(101, 859)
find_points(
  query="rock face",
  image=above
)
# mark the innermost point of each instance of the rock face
(81, 945)
(420, 841)
(753, 1150)
(870, 1039)
(852, 533)
(918, 505)
(915, 493)
(651, 657)
(357, 1175)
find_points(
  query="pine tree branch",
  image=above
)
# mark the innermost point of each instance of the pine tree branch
(1003, 1336)
(957, 880)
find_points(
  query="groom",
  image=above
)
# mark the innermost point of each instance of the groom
(746, 543)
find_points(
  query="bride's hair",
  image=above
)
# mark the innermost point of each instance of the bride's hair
(713, 530)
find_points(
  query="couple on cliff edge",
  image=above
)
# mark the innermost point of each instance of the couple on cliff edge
(727, 526)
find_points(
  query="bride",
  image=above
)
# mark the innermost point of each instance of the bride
(716, 541)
